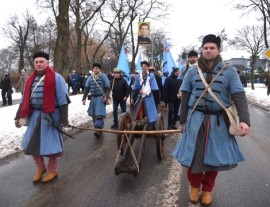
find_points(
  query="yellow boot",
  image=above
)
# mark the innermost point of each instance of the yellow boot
(49, 176)
(194, 195)
(206, 199)
(37, 177)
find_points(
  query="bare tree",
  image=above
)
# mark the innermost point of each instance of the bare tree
(126, 13)
(6, 59)
(84, 11)
(18, 33)
(60, 11)
(155, 50)
(250, 38)
(258, 6)
(62, 41)
(40, 38)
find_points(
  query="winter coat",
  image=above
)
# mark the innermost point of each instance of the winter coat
(97, 107)
(148, 100)
(120, 88)
(40, 137)
(222, 148)
(171, 87)
(6, 82)
(21, 82)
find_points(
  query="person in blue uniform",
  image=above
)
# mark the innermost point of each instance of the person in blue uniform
(98, 85)
(206, 147)
(45, 96)
(143, 86)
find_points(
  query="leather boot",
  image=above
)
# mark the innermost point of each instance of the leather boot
(206, 199)
(194, 195)
(49, 176)
(37, 177)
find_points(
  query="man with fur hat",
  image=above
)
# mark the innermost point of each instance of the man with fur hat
(98, 85)
(206, 146)
(45, 97)
(120, 93)
(192, 60)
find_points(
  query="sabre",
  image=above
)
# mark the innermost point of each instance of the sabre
(57, 127)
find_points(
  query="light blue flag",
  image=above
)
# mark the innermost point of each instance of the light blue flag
(168, 62)
(181, 67)
(123, 64)
(138, 65)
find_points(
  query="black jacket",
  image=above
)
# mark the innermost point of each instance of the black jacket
(170, 89)
(6, 82)
(120, 88)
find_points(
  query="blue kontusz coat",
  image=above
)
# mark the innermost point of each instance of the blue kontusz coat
(222, 148)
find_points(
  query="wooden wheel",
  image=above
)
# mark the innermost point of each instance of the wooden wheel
(125, 124)
(160, 137)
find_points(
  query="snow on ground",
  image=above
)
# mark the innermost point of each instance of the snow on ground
(10, 136)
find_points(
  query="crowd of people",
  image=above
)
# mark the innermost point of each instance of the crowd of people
(206, 146)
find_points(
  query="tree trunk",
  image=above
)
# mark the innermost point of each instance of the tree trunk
(62, 41)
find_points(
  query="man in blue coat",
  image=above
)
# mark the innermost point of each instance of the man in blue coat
(99, 87)
(144, 84)
(45, 96)
(206, 146)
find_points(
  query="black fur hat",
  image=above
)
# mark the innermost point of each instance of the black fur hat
(146, 63)
(192, 53)
(212, 38)
(41, 54)
(97, 65)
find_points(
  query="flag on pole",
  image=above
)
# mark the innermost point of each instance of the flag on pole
(123, 64)
(181, 67)
(168, 62)
(138, 65)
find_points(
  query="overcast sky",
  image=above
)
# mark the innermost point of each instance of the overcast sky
(188, 20)
(191, 19)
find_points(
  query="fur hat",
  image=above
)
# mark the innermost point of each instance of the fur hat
(192, 53)
(41, 54)
(212, 38)
(97, 65)
(145, 63)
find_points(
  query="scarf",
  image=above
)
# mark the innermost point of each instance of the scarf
(96, 76)
(204, 65)
(145, 84)
(48, 93)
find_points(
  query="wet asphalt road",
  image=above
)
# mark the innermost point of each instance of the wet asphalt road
(86, 175)
(248, 185)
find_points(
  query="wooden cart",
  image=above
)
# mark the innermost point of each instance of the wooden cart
(131, 145)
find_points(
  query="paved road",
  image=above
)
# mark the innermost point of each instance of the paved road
(248, 184)
(86, 177)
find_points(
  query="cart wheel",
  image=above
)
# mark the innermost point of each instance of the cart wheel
(125, 124)
(160, 137)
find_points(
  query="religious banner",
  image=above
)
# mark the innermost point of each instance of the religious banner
(144, 33)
